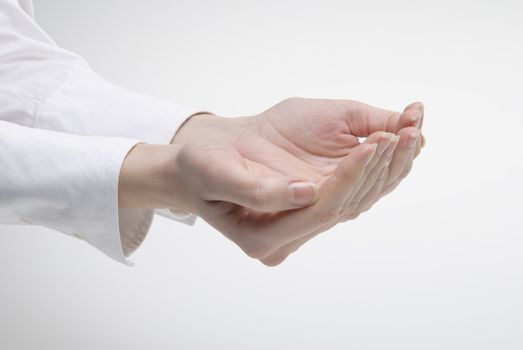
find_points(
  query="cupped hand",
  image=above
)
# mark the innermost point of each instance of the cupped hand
(406, 145)
(242, 169)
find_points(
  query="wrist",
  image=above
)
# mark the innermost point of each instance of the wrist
(148, 178)
(210, 127)
(193, 126)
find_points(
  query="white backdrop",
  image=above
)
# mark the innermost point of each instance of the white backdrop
(438, 264)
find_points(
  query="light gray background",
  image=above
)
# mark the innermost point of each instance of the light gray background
(438, 264)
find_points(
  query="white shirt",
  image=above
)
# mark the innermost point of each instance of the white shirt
(64, 133)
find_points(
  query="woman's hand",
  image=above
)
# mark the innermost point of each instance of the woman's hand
(273, 181)
(363, 120)
(250, 162)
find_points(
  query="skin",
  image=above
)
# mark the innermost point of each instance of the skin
(235, 172)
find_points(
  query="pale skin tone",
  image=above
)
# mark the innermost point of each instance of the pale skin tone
(235, 172)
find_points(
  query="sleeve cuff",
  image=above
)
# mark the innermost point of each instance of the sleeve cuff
(65, 182)
(108, 110)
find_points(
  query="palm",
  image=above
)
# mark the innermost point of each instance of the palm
(305, 141)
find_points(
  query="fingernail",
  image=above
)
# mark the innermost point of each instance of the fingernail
(412, 139)
(302, 193)
(384, 144)
(415, 119)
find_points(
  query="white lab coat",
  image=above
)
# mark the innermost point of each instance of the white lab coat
(64, 132)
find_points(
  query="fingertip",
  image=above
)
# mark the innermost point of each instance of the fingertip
(406, 132)
(415, 105)
(370, 149)
(412, 116)
(382, 139)
(384, 143)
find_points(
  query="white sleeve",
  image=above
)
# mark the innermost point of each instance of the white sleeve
(46, 87)
(65, 182)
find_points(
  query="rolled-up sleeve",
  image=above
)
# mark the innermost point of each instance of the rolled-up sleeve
(43, 86)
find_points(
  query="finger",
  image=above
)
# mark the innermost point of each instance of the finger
(415, 111)
(384, 141)
(348, 175)
(421, 141)
(420, 145)
(285, 227)
(364, 119)
(369, 196)
(374, 194)
(394, 180)
(421, 108)
(390, 187)
(238, 185)
(403, 154)
(278, 256)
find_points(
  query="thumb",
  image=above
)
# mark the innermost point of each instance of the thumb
(365, 119)
(270, 194)
(241, 186)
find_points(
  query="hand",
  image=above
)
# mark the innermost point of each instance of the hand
(248, 162)
(364, 120)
